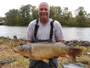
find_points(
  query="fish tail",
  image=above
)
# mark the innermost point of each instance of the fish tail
(75, 52)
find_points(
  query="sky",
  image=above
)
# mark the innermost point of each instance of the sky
(6, 5)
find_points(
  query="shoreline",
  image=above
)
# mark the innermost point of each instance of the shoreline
(67, 42)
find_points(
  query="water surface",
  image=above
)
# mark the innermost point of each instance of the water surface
(70, 33)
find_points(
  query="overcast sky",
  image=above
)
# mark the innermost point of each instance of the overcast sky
(6, 5)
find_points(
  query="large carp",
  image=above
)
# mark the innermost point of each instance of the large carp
(40, 51)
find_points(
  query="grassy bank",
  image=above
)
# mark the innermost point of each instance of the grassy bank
(6, 53)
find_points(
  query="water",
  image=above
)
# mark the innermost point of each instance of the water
(10, 31)
(71, 65)
(76, 33)
(70, 33)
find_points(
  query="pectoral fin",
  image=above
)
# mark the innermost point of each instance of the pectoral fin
(46, 61)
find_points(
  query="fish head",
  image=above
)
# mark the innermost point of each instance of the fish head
(18, 49)
(22, 48)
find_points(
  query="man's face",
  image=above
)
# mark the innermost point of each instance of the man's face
(43, 11)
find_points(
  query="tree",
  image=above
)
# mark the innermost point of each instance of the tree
(52, 12)
(88, 19)
(65, 15)
(58, 14)
(0, 19)
(34, 13)
(12, 17)
(81, 17)
(25, 14)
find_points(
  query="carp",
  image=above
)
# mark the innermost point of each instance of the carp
(45, 50)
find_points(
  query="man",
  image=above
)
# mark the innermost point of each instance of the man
(44, 29)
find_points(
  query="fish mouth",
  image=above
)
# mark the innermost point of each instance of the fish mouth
(16, 50)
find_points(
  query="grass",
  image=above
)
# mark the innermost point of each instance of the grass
(6, 53)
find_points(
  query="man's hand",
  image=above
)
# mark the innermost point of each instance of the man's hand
(56, 56)
(46, 61)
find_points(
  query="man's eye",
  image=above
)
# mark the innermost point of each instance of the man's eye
(45, 9)
(41, 9)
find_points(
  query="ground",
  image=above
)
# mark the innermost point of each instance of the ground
(7, 53)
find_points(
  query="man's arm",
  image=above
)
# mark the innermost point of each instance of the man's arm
(58, 32)
(30, 31)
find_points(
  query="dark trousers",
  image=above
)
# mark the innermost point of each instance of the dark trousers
(40, 64)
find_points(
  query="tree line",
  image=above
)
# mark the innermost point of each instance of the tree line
(26, 13)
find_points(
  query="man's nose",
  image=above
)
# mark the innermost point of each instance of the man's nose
(43, 10)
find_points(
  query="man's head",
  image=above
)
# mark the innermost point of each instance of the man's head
(44, 10)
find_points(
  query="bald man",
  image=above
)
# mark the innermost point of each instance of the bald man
(44, 29)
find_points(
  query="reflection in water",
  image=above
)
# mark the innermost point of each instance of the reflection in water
(70, 33)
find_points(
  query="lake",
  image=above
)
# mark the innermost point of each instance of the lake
(70, 33)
